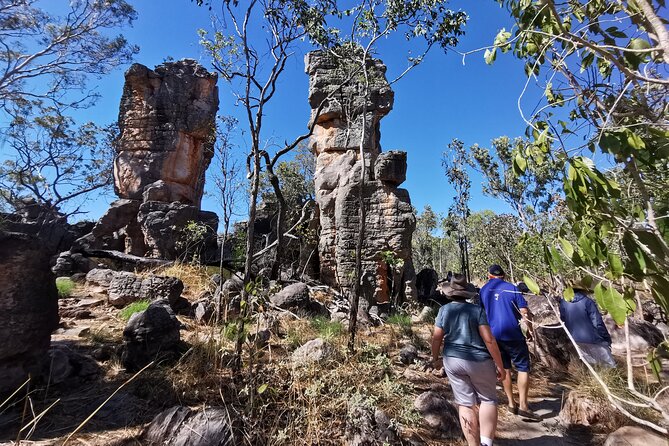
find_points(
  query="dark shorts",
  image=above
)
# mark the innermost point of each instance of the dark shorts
(515, 352)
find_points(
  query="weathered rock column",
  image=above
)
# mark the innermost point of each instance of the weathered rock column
(167, 123)
(28, 308)
(389, 222)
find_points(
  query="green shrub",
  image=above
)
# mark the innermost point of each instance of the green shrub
(326, 328)
(133, 308)
(65, 286)
(403, 320)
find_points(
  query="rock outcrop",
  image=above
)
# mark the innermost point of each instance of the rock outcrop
(150, 334)
(28, 308)
(182, 426)
(167, 131)
(344, 116)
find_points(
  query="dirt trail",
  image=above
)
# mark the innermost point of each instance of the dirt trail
(513, 430)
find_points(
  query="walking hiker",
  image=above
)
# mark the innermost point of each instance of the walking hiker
(505, 306)
(471, 360)
(584, 321)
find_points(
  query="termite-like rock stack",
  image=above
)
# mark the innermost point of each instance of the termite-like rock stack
(167, 131)
(347, 116)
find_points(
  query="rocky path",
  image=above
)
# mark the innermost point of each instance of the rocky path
(513, 430)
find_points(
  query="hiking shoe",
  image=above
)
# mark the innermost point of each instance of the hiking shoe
(512, 410)
(528, 414)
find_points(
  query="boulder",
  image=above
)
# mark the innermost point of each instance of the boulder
(65, 364)
(28, 308)
(554, 348)
(643, 335)
(426, 283)
(391, 167)
(204, 311)
(294, 296)
(541, 310)
(635, 436)
(368, 426)
(408, 354)
(99, 279)
(69, 263)
(150, 334)
(125, 288)
(439, 414)
(316, 350)
(233, 285)
(182, 426)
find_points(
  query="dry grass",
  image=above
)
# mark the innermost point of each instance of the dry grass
(196, 278)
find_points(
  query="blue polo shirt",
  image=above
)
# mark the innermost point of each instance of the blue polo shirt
(502, 302)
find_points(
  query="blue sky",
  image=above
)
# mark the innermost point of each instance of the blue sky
(440, 100)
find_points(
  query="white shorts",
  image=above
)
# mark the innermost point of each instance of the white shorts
(473, 382)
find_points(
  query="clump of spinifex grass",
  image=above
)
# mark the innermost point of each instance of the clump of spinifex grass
(65, 286)
(133, 308)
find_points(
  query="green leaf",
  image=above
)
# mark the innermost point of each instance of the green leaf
(635, 141)
(566, 247)
(615, 265)
(519, 164)
(532, 285)
(655, 364)
(587, 61)
(660, 290)
(262, 388)
(568, 294)
(615, 304)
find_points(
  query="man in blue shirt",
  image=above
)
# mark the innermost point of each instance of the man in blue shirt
(584, 321)
(505, 306)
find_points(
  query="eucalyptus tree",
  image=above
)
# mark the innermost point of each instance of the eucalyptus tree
(55, 162)
(47, 59)
(46, 62)
(455, 161)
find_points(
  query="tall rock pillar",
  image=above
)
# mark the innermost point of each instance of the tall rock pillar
(167, 121)
(389, 224)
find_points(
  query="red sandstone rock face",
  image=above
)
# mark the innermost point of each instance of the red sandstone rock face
(390, 222)
(167, 130)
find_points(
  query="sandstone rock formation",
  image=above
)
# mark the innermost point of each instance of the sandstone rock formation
(167, 131)
(28, 308)
(346, 117)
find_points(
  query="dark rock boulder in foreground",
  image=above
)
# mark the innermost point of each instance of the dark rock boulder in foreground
(150, 334)
(181, 426)
(439, 414)
(28, 308)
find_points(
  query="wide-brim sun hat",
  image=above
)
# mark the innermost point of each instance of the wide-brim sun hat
(459, 287)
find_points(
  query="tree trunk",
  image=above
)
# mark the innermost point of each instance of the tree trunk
(280, 239)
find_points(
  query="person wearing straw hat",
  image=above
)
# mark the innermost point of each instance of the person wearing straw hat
(584, 321)
(471, 360)
(505, 305)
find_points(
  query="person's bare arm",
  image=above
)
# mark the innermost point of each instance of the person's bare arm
(527, 317)
(490, 342)
(437, 339)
